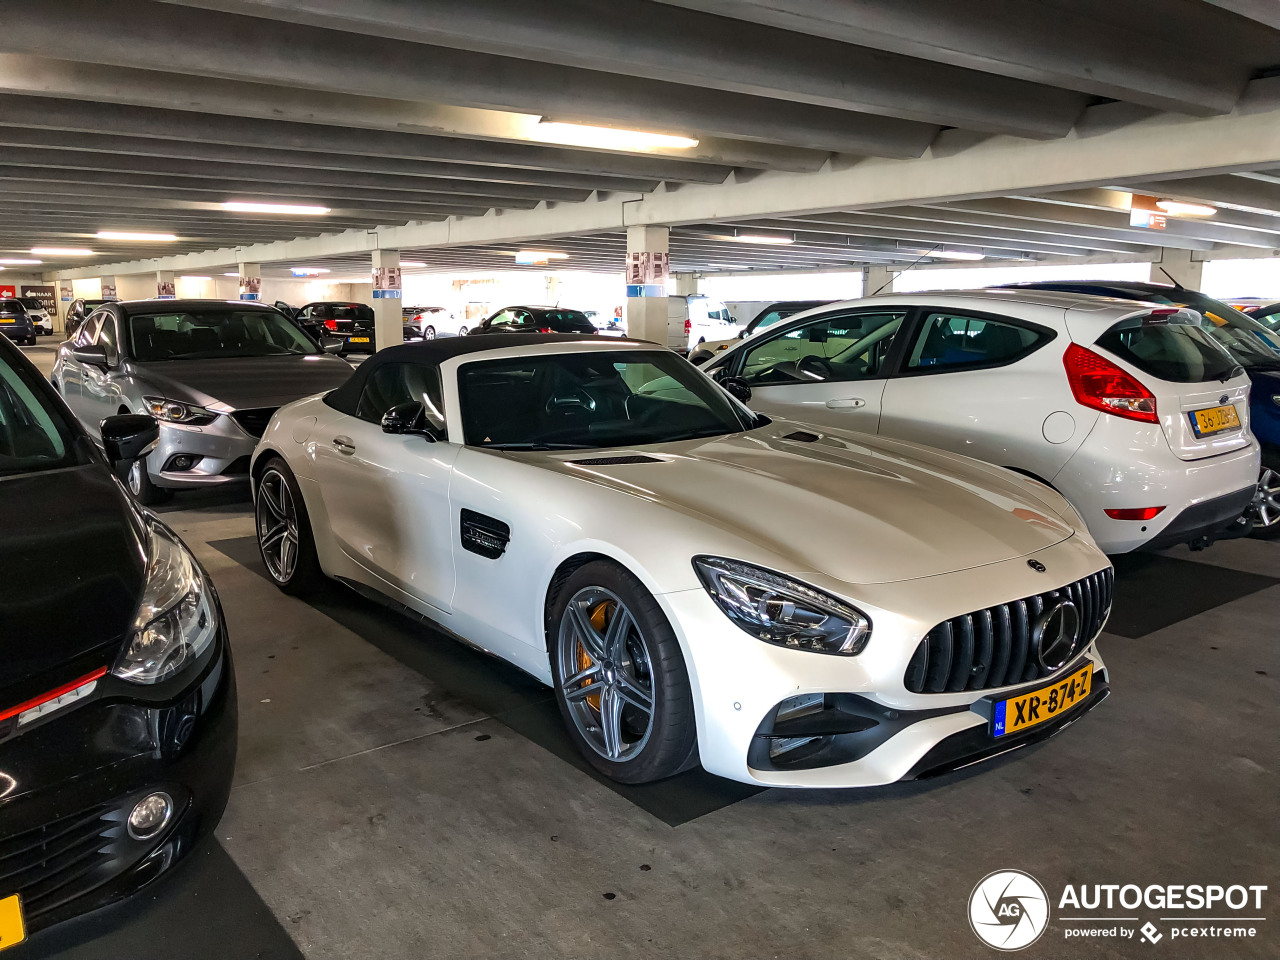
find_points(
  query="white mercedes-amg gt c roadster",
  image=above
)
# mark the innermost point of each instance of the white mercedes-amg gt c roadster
(785, 604)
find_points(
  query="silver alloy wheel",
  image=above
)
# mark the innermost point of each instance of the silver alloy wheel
(462, 331)
(135, 477)
(606, 674)
(1266, 500)
(428, 333)
(277, 518)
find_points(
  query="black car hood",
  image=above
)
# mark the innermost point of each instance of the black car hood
(243, 383)
(72, 562)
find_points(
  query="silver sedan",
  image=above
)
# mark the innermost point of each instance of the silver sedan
(211, 372)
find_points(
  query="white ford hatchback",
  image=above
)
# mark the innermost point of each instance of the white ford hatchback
(1130, 410)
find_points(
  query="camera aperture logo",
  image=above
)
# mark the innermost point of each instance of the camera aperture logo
(1008, 910)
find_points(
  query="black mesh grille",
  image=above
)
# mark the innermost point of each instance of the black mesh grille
(255, 421)
(57, 862)
(614, 461)
(992, 648)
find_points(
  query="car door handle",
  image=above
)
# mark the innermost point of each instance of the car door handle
(344, 445)
(846, 403)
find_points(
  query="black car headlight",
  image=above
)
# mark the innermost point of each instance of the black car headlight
(776, 609)
(176, 620)
(175, 411)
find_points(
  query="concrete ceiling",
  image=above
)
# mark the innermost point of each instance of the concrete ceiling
(422, 116)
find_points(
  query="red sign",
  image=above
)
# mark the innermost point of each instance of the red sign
(8, 291)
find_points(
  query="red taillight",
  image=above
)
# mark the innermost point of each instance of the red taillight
(545, 330)
(331, 324)
(1100, 384)
(688, 326)
(1134, 513)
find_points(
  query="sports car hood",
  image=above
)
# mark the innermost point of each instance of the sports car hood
(243, 383)
(858, 508)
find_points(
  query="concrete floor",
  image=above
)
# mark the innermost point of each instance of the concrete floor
(380, 815)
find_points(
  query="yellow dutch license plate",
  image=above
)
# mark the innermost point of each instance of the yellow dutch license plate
(7, 320)
(1018, 713)
(358, 340)
(1215, 420)
(12, 930)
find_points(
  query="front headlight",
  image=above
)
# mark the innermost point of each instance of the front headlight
(175, 621)
(175, 411)
(782, 611)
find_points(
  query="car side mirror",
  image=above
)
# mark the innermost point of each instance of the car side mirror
(409, 419)
(93, 354)
(331, 344)
(737, 388)
(128, 436)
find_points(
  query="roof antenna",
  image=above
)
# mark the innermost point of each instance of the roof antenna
(906, 268)
(1176, 284)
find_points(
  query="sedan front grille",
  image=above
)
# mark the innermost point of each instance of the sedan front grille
(255, 422)
(58, 861)
(991, 648)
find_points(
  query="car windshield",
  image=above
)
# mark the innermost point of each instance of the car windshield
(215, 334)
(34, 434)
(566, 321)
(1251, 343)
(592, 399)
(31, 303)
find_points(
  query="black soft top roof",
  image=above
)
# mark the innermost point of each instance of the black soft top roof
(346, 396)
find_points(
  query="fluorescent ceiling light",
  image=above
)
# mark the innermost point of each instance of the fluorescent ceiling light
(412, 263)
(536, 257)
(308, 271)
(762, 238)
(236, 275)
(297, 208)
(958, 255)
(607, 138)
(1186, 209)
(61, 252)
(185, 277)
(143, 237)
(15, 261)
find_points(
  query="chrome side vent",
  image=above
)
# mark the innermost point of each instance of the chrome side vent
(484, 535)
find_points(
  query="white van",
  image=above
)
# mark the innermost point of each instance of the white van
(696, 319)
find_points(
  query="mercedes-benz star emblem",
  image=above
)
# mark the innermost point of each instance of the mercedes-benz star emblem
(1056, 634)
(1037, 566)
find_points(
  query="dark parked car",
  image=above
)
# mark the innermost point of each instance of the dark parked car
(536, 320)
(211, 371)
(1253, 345)
(1268, 314)
(352, 323)
(117, 697)
(16, 323)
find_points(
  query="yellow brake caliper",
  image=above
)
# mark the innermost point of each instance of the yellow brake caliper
(599, 617)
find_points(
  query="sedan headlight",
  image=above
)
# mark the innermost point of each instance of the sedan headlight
(175, 411)
(175, 621)
(782, 611)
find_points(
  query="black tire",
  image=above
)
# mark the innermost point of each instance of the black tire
(670, 744)
(138, 480)
(305, 575)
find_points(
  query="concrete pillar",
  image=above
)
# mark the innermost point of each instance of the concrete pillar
(875, 276)
(1185, 271)
(250, 281)
(687, 284)
(647, 266)
(165, 285)
(107, 288)
(388, 319)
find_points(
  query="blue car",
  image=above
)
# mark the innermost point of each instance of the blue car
(1254, 346)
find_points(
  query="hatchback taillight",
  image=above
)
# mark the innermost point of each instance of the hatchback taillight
(331, 324)
(1098, 383)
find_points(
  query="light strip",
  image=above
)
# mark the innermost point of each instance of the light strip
(88, 680)
(143, 237)
(305, 210)
(607, 138)
(61, 252)
(1186, 209)
(15, 261)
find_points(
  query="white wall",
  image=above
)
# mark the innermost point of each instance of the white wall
(1242, 278)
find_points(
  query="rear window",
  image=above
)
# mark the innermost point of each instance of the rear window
(351, 311)
(1173, 348)
(567, 321)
